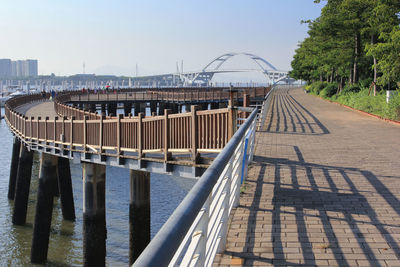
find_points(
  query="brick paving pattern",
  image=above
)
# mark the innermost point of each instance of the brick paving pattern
(324, 189)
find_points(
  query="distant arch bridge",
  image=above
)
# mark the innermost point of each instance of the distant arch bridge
(205, 75)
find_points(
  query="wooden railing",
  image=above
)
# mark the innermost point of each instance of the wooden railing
(192, 133)
(177, 95)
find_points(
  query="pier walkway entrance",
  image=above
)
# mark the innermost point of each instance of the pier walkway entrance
(323, 190)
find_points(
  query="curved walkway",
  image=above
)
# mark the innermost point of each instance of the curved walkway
(33, 109)
(324, 190)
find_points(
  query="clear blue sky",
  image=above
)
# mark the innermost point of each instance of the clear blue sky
(113, 36)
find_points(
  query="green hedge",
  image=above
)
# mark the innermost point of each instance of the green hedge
(356, 96)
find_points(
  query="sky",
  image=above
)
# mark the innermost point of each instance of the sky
(112, 37)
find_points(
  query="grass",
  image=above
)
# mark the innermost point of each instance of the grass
(362, 101)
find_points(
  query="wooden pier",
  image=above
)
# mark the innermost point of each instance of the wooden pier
(69, 127)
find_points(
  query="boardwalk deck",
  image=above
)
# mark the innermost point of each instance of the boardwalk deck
(324, 190)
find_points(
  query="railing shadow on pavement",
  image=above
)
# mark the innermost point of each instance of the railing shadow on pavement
(338, 207)
(292, 117)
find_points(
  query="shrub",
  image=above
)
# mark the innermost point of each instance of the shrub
(355, 88)
(329, 90)
(317, 87)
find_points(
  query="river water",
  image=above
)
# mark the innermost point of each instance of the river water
(65, 247)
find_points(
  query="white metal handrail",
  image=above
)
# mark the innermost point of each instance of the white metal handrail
(206, 233)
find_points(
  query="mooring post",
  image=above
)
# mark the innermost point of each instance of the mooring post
(14, 168)
(139, 213)
(161, 107)
(94, 214)
(22, 185)
(127, 108)
(153, 107)
(44, 208)
(65, 186)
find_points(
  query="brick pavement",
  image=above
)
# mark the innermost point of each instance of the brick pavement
(324, 190)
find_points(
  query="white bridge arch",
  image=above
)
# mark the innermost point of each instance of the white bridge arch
(204, 76)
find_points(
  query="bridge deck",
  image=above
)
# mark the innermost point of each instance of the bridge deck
(35, 109)
(323, 190)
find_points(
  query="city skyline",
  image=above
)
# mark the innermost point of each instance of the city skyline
(114, 38)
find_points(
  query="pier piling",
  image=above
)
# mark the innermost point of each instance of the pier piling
(23, 183)
(127, 108)
(44, 208)
(14, 168)
(94, 214)
(139, 213)
(65, 186)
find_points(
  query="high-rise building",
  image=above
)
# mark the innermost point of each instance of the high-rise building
(32, 67)
(18, 68)
(5, 67)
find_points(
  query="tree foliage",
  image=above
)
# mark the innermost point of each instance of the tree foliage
(349, 42)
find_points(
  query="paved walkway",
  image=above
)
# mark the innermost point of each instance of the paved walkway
(324, 190)
(45, 108)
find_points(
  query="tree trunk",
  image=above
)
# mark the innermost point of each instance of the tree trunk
(373, 41)
(357, 49)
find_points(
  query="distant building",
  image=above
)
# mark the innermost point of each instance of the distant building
(5, 67)
(18, 68)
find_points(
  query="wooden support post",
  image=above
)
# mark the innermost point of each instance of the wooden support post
(14, 167)
(161, 108)
(167, 155)
(101, 134)
(127, 108)
(194, 130)
(85, 118)
(66, 192)
(119, 136)
(71, 147)
(153, 107)
(136, 107)
(22, 185)
(139, 213)
(94, 214)
(44, 208)
(231, 120)
(246, 103)
(140, 136)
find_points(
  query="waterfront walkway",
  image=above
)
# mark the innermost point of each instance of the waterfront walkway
(324, 189)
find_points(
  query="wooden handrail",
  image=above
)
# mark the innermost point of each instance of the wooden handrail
(193, 132)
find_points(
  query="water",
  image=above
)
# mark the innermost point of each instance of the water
(65, 248)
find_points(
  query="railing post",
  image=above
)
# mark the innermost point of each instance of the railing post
(232, 113)
(226, 205)
(202, 229)
(194, 133)
(85, 118)
(140, 135)
(45, 130)
(37, 129)
(119, 135)
(102, 117)
(167, 155)
(71, 147)
(55, 131)
(31, 130)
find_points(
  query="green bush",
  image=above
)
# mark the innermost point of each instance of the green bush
(317, 87)
(392, 110)
(354, 88)
(329, 90)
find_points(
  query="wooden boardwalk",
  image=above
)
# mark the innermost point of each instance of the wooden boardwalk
(324, 190)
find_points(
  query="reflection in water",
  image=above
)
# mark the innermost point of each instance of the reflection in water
(65, 247)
